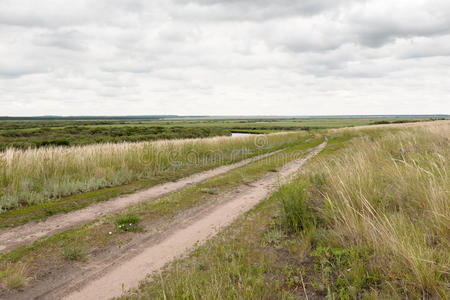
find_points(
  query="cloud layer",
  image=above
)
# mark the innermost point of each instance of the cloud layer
(310, 57)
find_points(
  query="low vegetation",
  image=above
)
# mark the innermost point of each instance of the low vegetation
(73, 135)
(38, 132)
(368, 219)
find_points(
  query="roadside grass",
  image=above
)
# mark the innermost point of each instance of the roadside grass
(371, 221)
(36, 176)
(40, 211)
(97, 236)
(387, 201)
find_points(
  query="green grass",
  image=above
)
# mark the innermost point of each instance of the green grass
(295, 213)
(236, 264)
(128, 223)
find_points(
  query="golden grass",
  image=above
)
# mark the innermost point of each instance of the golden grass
(13, 276)
(390, 194)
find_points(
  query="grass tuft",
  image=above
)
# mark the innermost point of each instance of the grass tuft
(75, 252)
(14, 275)
(292, 198)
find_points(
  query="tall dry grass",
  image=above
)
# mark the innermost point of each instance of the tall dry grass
(36, 175)
(389, 193)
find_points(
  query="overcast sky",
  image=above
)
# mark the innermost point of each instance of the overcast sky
(224, 57)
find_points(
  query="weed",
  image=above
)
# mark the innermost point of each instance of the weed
(128, 223)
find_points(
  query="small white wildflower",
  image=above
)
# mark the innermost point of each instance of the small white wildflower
(110, 232)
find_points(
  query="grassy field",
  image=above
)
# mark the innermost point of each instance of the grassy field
(36, 176)
(368, 219)
(50, 170)
(41, 133)
(81, 244)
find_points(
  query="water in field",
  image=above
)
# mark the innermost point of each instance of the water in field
(238, 134)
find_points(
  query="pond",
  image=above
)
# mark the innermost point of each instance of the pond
(238, 134)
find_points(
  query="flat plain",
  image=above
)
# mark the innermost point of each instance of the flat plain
(300, 208)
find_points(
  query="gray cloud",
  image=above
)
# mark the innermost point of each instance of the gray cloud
(63, 39)
(376, 25)
(255, 9)
(209, 57)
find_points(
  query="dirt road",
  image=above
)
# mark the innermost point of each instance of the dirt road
(109, 279)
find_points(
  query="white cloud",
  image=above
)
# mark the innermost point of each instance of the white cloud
(224, 57)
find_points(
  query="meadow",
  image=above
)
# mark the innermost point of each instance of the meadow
(368, 219)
